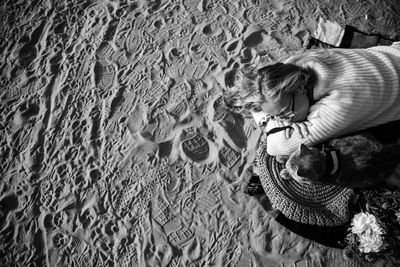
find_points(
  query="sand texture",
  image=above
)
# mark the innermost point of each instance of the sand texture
(116, 149)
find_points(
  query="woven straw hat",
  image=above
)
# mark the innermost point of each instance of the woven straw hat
(323, 205)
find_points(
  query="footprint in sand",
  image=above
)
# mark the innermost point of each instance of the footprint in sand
(253, 39)
(79, 129)
(233, 47)
(28, 51)
(152, 93)
(59, 240)
(47, 221)
(135, 43)
(228, 156)
(207, 199)
(127, 255)
(199, 66)
(195, 146)
(180, 96)
(87, 218)
(105, 74)
(309, 7)
(161, 212)
(229, 79)
(7, 205)
(356, 9)
(234, 27)
(258, 42)
(176, 63)
(61, 27)
(25, 112)
(26, 55)
(180, 236)
(46, 193)
(105, 50)
(192, 251)
(213, 35)
(259, 15)
(125, 199)
(247, 55)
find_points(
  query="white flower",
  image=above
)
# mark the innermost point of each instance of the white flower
(370, 242)
(369, 232)
(365, 222)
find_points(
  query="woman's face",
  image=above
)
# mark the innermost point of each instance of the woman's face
(281, 108)
(291, 107)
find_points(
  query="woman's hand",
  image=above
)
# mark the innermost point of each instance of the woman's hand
(301, 127)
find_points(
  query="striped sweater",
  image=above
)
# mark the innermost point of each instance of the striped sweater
(356, 89)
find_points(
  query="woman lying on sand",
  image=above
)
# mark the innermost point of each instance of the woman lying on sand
(322, 94)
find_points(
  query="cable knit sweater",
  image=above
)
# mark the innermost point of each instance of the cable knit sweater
(356, 89)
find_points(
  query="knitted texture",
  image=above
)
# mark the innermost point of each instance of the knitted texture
(356, 89)
(323, 205)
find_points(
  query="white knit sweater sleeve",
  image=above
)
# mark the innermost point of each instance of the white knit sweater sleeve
(329, 119)
(279, 144)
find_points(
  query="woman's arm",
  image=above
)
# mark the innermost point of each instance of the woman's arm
(328, 120)
(279, 144)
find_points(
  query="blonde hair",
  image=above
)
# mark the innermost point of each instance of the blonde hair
(245, 92)
(252, 87)
(283, 78)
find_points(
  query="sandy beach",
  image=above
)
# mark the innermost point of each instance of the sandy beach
(116, 147)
